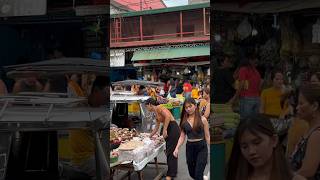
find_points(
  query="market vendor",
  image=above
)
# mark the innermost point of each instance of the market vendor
(170, 132)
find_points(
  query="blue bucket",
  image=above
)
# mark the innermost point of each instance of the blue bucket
(176, 112)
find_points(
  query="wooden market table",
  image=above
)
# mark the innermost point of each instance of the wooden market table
(139, 166)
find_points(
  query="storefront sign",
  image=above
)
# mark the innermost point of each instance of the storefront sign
(117, 58)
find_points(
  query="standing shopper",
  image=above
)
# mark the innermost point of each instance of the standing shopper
(306, 157)
(170, 132)
(248, 89)
(271, 97)
(204, 106)
(223, 82)
(187, 88)
(196, 128)
(172, 88)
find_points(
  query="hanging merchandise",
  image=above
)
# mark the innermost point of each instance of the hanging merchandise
(290, 38)
(200, 75)
(244, 29)
(270, 52)
(316, 32)
(229, 48)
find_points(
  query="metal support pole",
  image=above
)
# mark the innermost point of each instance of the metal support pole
(141, 30)
(181, 25)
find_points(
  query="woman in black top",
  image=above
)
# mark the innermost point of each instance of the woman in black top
(197, 130)
(306, 158)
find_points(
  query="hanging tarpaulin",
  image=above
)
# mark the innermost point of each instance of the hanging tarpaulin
(171, 53)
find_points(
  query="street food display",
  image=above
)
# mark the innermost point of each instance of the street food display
(133, 146)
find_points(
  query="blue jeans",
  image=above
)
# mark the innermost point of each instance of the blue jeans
(187, 95)
(249, 106)
(173, 94)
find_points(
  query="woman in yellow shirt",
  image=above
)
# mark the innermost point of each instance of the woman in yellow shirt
(271, 97)
(195, 92)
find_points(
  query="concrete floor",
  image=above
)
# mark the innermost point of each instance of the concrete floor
(150, 173)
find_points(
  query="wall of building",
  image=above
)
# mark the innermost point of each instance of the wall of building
(165, 25)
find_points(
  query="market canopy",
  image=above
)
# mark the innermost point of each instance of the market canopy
(265, 6)
(171, 53)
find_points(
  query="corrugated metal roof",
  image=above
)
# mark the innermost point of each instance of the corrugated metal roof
(163, 10)
(136, 5)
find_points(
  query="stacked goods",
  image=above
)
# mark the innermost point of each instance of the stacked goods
(134, 146)
(227, 119)
(130, 145)
(168, 105)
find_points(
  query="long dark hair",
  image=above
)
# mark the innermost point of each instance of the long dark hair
(239, 168)
(311, 92)
(197, 123)
(151, 101)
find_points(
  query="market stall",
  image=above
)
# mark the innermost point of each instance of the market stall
(223, 123)
(35, 113)
(284, 35)
(133, 149)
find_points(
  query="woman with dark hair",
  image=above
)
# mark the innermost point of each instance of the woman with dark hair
(196, 128)
(204, 106)
(256, 152)
(271, 97)
(248, 89)
(170, 132)
(306, 157)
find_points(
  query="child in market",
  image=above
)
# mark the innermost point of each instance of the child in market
(196, 128)
(257, 154)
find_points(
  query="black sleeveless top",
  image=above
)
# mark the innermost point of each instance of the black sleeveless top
(186, 127)
(299, 154)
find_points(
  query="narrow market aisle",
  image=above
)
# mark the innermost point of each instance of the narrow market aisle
(149, 172)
